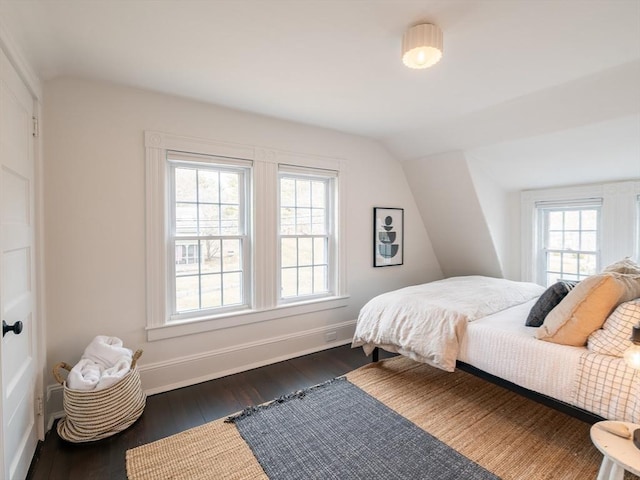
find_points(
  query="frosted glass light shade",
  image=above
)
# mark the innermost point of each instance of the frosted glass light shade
(422, 46)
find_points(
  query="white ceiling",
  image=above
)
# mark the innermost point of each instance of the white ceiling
(512, 69)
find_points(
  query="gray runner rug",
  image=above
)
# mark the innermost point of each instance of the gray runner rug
(337, 431)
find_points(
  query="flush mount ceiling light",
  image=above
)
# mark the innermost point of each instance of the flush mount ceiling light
(422, 46)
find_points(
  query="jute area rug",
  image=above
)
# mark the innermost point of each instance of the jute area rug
(509, 435)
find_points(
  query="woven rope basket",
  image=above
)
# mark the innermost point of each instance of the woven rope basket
(93, 415)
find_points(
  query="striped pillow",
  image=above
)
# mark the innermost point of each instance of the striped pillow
(613, 337)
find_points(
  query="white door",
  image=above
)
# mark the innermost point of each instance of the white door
(17, 275)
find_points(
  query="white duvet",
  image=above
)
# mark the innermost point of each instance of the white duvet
(426, 322)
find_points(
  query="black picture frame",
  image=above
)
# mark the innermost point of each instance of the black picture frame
(388, 236)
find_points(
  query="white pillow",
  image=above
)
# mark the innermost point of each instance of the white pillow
(613, 337)
(626, 266)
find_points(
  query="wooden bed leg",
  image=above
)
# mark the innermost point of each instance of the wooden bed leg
(375, 354)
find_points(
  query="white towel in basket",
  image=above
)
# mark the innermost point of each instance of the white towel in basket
(106, 351)
(111, 375)
(104, 362)
(85, 375)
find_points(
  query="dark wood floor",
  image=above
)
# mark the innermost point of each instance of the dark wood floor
(175, 411)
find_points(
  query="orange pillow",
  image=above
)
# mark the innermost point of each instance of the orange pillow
(586, 307)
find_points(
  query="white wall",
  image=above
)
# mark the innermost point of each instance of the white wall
(494, 203)
(451, 211)
(470, 200)
(95, 243)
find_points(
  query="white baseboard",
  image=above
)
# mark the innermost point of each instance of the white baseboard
(188, 370)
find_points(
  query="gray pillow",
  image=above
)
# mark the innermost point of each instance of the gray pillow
(548, 300)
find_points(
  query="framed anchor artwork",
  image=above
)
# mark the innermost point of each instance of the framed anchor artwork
(388, 236)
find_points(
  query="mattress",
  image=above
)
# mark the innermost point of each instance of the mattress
(501, 344)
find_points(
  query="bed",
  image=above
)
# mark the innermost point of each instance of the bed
(479, 324)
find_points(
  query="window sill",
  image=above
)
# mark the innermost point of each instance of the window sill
(245, 317)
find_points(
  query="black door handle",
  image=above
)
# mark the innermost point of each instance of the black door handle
(15, 328)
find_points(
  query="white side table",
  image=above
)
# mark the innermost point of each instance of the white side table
(620, 454)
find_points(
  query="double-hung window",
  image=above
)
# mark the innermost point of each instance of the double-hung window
(573, 232)
(209, 232)
(238, 234)
(569, 240)
(306, 233)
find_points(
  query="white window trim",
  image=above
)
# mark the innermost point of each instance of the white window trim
(541, 211)
(174, 160)
(332, 218)
(265, 174)
(619, 220)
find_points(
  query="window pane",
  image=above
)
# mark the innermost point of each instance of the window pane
(211, 291)
(232, 256)
(289, 252)
(318, 226)
(187, 293)
(554, 262)
(229, 188)
(570, 263)
(556, 220)
(193, 254)
(572, 241)
(587, 264)
(289, 280)
(186, 221)
(185, 185)
(303, 221)
(303, 193)
(589, 219)
(555, 241)
(186, 258)
(209, 219)
(287, 221)
(318, 194)
(320, 279)
(181, 254)
(232, 288)
(287, 192)
(305, 281)
(210, 259)
(305, 251)
(231, 220)
(572, 220)
(208, 186)
(319, 250)
(588, 242)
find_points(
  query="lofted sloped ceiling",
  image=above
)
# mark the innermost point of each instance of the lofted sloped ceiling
(529, 93)
(506, 69)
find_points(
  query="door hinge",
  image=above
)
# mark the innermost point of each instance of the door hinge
(39, 406)
(36, 127)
